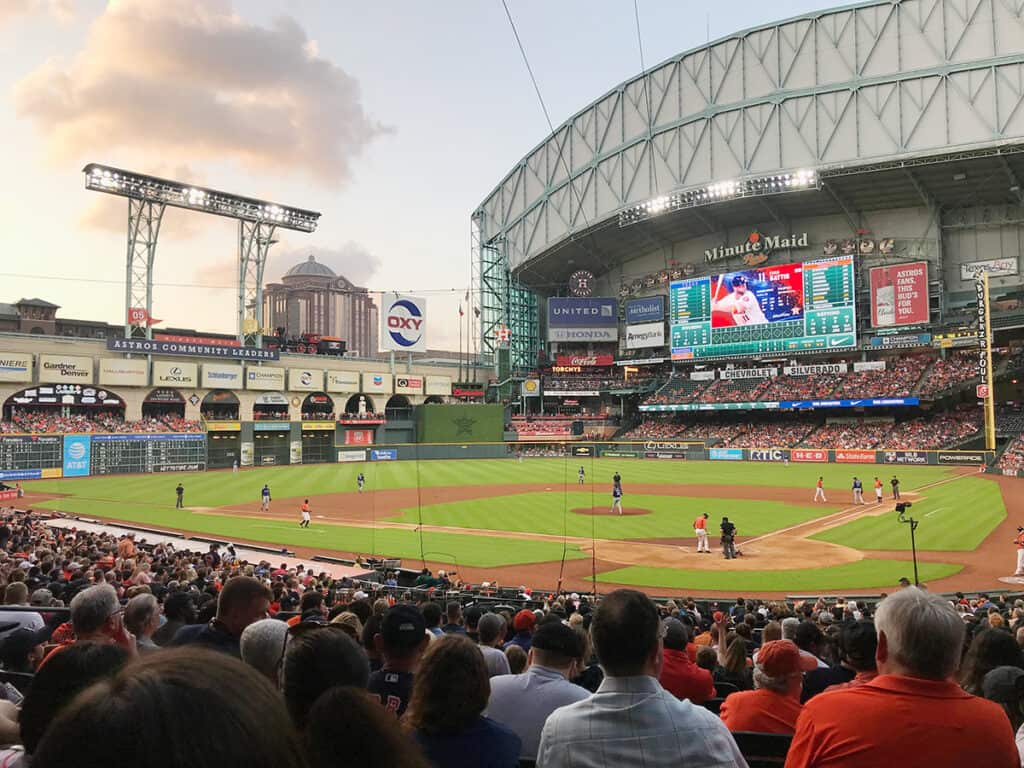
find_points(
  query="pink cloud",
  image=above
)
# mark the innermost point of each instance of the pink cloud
(61, 10)
(191, 79)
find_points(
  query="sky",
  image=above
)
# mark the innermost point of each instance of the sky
(394, 119)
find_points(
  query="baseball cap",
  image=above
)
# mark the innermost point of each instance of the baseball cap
(524, 621)
(1004, 685)
(402, 629)
(558, 638)
(675, 634)
(779, 658)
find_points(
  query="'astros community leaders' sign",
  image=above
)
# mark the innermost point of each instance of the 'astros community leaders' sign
(189, 349)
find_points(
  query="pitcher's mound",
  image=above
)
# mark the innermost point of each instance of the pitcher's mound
(626, 511)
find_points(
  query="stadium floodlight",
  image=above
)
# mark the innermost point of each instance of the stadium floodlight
(728, 189)
(116, 181)
(148, 196)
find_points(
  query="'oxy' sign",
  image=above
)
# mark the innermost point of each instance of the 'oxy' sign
(404, 324)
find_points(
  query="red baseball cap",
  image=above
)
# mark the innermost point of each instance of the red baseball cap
(779, 658)
(524, 621)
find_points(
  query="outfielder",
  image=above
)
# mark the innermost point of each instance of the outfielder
(305, 515)
(581, 474)
(700, 528)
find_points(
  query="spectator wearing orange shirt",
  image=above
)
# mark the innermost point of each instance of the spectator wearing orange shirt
(774, 704)
(913, 714)
(679, 675)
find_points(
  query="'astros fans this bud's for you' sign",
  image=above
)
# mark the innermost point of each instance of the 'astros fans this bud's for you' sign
(403, 323)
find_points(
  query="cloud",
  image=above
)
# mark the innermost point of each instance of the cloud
(61, 10)
(190, 79)
(350, 260)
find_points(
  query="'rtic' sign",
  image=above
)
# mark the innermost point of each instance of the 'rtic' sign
(772, 454)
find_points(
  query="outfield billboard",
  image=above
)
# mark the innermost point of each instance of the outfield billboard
(582, 319)
(899, 294)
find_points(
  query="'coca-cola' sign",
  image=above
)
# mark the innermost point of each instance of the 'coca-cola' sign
(585, 361)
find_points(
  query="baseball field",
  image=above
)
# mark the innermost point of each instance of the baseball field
(531, 522)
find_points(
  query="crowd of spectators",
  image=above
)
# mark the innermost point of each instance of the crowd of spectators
(678, 389)
(942, 430)
(853, 434)
(950, 373)
(171, 658)
(54, 421)
(1012, 459)
(733, 391)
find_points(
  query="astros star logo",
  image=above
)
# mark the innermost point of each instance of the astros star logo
(464, 426)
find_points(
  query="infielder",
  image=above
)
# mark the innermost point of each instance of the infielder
(581, 474)
(360, 481)
(617, 498)
(265, 499)
(700, 528)
(1019, 541)
(305, 515)
(819, 490)
(878, 491)
(858, 491)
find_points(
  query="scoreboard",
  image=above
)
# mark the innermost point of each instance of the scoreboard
(25, 457)
(784, 308)
(129, 453)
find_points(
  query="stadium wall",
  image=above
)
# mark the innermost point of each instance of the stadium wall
(459, 423)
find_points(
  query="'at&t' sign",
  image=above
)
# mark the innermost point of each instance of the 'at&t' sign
(404, 323)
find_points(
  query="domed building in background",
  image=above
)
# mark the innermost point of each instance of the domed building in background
(311, 298)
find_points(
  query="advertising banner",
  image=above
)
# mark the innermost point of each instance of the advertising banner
(854, 456)
(305, 380)
(175, 374)
(645, 336)
(295, 452)
(15, 366)
(584, 361)
(899, 294)
(582, 313)
(726, 454)
(975, 458)
(409, 385)
(613, 454)
(118, 372)
(383, 454)
(62, 369)
(816, 370)
(377, 382)
(216, 376)
(902, 340)
(317, 426)
(257, 377)
(768, 454)
(808, 454)
(246, 452)
(20, 474)
(164, 395)
(748, 373)
(438, 385)
(662, 455)
(994, 267)
(271, 398)
(77, 455)
(271, 426)
(869, 365)
(904, 457)
(342, 381)
(403, 323)
(190, 349)
(347, 456)
(10, 495)
(649, 310)
(197, 340)
(223, 426)
(583, 450)
(702, 376)
(583, 334)
(531, 387)
(359, 436)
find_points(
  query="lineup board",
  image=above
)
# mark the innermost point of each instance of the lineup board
(771, 309)
(120, 454)
(30, 452)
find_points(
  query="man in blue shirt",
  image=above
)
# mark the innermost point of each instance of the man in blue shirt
(265, 498)
(360, 481)
(617, 498)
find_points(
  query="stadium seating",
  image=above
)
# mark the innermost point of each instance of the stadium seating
(50, 421)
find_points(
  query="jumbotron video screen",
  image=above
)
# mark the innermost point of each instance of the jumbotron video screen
(796, 307)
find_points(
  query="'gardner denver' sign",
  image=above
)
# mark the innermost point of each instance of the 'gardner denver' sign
(189, 349)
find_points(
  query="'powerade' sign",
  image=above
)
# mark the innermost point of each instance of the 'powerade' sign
(726, 454)
(77, 454)
(582, 313)
(647, 310)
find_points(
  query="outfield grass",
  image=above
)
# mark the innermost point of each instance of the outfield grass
(463, 549)
(865, 574)
(551, 513)
(956, 516)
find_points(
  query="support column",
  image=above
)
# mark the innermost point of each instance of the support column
(144, 219)
(254, 241)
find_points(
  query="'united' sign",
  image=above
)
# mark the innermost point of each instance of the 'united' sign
(403, 324)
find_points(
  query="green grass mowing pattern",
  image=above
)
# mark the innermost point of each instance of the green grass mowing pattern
(214, 489)
(863, 574)
(551, 513)
(463, 549)
(955, 516)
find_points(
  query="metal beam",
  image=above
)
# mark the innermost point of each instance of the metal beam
(144, 219)
(254, 241)
(1015, 185)
(773, 212)
(854, 225)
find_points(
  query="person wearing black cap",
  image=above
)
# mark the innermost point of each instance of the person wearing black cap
(522, 703)
(401, 641)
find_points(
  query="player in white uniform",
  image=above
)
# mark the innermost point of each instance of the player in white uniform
(741, 304)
